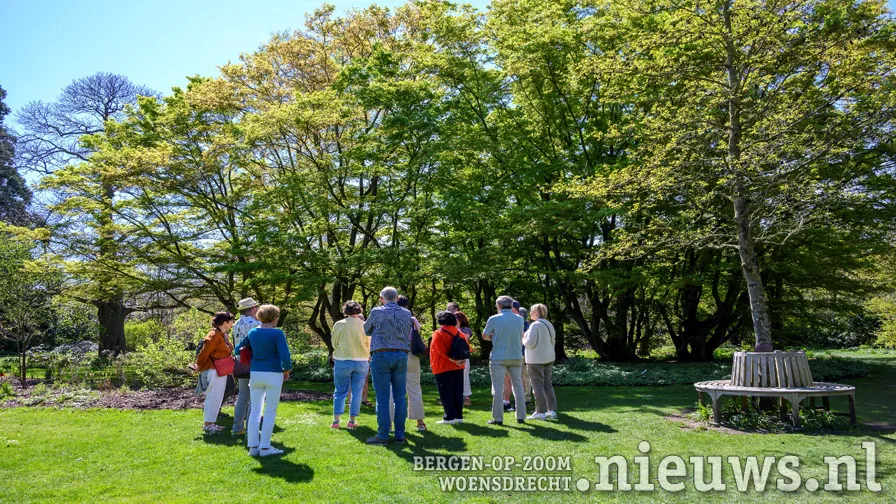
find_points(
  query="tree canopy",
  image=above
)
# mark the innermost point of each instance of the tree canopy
(692, 172)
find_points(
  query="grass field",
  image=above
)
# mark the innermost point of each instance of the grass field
(161, 456)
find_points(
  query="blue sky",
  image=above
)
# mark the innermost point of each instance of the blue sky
(47, 44)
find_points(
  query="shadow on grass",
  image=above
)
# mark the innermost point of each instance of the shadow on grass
(274, 466)
(423, 444)
(481, 430)
(584, 425)
(280, 467)
(545, 431)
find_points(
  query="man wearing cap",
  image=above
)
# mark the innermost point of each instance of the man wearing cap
(247, 308)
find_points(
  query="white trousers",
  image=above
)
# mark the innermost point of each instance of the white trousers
(264, 387)
(467, 390)
(214, 395)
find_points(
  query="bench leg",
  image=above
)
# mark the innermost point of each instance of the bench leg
(701, 398)
(782, 405)
(795, 404)
(744, 404)
(812, 403)
(716, 410)
(826, 403)
(852, 409)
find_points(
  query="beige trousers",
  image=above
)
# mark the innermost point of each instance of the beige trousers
(415, 391)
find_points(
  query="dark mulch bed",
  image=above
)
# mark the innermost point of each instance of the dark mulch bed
(180, 398)
(183, 398)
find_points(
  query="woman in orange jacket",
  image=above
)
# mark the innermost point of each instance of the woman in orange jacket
(449, 372)
(216, 345)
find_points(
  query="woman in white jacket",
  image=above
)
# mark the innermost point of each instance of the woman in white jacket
(539, 341)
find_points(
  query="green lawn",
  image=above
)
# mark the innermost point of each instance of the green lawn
(160, 456)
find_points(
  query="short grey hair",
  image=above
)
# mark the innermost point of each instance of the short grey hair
(504, 302)
(389, 294)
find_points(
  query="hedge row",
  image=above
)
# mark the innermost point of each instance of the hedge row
(579, 371)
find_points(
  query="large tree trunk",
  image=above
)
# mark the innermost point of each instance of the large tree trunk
(111, 316)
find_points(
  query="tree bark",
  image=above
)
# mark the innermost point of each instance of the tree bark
(750, 266)
(111, 316)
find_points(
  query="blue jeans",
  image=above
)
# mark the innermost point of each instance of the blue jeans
(349, 373)
(390, 372)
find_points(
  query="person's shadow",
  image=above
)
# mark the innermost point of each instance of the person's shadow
(584, 425)
(275, 466)
(278, 466)
(481, 431)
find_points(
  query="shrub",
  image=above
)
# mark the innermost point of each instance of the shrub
(139, 333)
(158, 365)
(6, 391)
(770, 421)
(188, 327)
(313, 366)
(66, 363)
(581, 371)
(831, 369)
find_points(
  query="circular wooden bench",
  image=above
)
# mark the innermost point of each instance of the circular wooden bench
(785, 375)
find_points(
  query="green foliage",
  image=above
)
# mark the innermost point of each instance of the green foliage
(15, 196)
(6, 390)
(188, 327)
(834, 369)
(581, 371)
(139, 333)
(770, 421)
(625, 163)
(159, 364)
(884, 308)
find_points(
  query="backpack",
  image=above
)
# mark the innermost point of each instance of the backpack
(459, 349)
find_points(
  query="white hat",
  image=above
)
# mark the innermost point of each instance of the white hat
(245, 304)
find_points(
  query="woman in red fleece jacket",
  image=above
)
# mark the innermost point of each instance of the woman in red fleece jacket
(449, 373)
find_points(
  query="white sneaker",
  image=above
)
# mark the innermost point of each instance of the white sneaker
(445, 422)
(537, 416)
(551, 414)
(458, 420)
(253, 452)
(267, 452)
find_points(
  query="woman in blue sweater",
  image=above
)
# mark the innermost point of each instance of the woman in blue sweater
(269, 368)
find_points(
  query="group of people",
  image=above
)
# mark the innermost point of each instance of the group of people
(386, 345)
(258, 395)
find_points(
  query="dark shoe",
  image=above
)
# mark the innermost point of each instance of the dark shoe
(400, 440)
(508, 407)
(495, 422)
(520, 420)
(377, 441)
